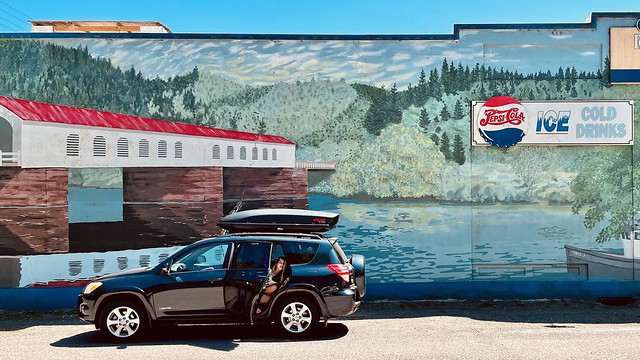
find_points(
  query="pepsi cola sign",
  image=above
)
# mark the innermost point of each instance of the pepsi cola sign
(503, 122)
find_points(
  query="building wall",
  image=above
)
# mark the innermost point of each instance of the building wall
(434, 216)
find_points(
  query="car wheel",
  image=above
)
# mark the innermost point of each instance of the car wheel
(123, 321)
(296, 316)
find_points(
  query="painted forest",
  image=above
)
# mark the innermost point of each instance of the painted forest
(399, 141)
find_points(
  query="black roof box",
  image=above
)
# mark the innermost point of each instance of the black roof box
(285, 220)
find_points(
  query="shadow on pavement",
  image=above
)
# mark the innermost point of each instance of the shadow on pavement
(214, 337)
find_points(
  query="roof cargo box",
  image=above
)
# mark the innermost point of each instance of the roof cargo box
(285, 220)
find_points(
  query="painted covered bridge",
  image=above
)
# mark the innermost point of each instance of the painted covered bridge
(40, 135)
(177, 179)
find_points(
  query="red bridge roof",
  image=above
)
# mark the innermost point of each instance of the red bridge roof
(37, 111)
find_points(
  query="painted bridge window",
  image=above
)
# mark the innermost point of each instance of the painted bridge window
(254, 153)
(73, 145)
(178, 150)
(99, 146)
(274, 154)
(216, 152)
(123, 147)
(144, 148)
(162, 149)
(243, 153)
(265, 154)
(230, 154)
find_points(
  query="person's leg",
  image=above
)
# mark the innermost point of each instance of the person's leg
(266, 297)
(270, 289)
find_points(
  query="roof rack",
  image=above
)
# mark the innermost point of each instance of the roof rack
(312, 236)
(279, 220)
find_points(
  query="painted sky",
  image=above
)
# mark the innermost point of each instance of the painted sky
(375, 63)
(308, 16)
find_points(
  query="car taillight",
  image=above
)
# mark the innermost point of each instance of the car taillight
(341, 270)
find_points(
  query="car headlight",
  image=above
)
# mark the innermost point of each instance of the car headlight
(91, 287)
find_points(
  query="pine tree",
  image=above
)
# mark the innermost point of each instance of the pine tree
(457, 111)
(261, 124)
(444, 114)
(445, 147)
(435, 139)
(482, 94)
(424, 118)
(233, 121)
(422, 88)
(445, 77)
(392, 112)
(574, 92)
(606, 73)
(374, 120)
(435, 85)
(458, 150)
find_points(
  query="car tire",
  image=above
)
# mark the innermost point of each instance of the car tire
(296, 316)
(123, 321)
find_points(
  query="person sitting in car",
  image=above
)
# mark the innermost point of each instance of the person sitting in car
(273, 280)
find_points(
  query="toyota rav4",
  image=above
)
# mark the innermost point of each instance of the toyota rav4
(230, 279)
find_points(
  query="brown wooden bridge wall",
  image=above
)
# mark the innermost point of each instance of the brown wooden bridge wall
(33, 211)
(161, 206)
(172, 205)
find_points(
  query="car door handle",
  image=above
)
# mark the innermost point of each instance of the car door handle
(215, 279)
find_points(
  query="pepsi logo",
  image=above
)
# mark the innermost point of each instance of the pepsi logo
(503, 121)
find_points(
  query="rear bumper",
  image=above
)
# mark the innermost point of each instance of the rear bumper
(341, 303)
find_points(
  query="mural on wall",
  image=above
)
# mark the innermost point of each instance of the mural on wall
(392, 121)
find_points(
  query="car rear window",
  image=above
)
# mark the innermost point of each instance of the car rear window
(300, 252)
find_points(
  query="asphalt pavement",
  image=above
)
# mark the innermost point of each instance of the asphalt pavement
(553, 329)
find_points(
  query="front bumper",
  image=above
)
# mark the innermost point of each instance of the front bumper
(86, 309)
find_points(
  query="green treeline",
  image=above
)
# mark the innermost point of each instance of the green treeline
(479, 83)
(40, 71)
(37, 71)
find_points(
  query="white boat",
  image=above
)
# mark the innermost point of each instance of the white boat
(598, 264)
(631, 243)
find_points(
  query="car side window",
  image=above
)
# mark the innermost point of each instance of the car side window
(300, 252)
(252, 255)
(206, 257)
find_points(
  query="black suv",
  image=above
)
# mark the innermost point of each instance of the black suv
(273, 265)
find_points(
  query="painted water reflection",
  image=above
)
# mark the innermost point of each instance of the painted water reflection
(422, 242)
(403, 241)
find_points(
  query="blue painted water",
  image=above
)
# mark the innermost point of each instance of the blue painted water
(417, 241)
(94, 205)
(413, 241)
